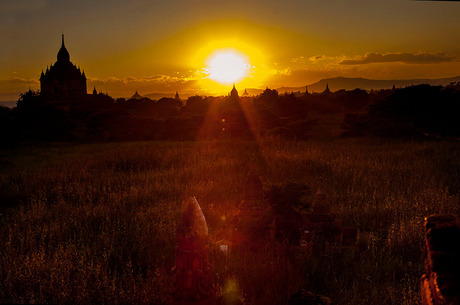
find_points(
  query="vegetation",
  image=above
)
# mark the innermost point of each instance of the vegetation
(96, 223)
(414, 112)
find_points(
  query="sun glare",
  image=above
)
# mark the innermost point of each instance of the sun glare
(227, 66)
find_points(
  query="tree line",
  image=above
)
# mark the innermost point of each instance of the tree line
(415, 111)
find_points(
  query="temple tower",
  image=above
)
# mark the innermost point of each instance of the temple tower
(63, 79)
(321, 226)
(234, 93)
(136, 96)
(254, 219)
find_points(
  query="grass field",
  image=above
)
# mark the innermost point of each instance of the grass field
(96, 223)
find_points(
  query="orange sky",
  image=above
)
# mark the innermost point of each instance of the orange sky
(162, 46)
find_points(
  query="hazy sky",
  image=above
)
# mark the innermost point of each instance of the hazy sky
(161, 46)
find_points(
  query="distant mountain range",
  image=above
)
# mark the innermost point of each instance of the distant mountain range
(335, 84)
(339, 83)
(347, 83)
(158, 95)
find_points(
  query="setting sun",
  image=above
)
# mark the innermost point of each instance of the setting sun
(227, 66)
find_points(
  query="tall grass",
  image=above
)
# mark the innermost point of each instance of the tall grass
(96, 223)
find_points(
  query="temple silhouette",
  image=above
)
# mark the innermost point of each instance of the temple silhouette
(63, 79)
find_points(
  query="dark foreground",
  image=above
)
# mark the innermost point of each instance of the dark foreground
(96, 223)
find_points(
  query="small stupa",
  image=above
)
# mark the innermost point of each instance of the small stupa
(192, 273)
(136, 96)
(321, 225)
(253, 221)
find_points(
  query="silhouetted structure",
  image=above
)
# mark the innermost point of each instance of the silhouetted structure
(136, 96)
(254, 219)
(306, 90)
(321, 225)
(63, 79)
(176, 97)
(192, 273)
(234, 93)
(94, 91)
(327, 89)
(245, 93)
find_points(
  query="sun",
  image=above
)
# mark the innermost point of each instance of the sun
(227, 66)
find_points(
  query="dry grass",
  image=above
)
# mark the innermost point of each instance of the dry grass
(96, 223)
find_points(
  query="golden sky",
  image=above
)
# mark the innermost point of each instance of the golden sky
(162, 46)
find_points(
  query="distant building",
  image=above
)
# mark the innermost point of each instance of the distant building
(136, 96)
(323, 230)
(327, 89)
(63, 79)
(234, 92)
(245, 92)
(254, 220)
(176, 97)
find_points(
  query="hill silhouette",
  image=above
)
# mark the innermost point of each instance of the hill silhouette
(347, 83)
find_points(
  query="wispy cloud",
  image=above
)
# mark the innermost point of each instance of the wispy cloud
(18, 84)
(154, 79)
(406, 58)
(125, 86)
(19, 80)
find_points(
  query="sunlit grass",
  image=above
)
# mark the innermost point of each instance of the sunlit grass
(96, 223)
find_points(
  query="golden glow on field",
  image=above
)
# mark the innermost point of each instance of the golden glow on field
(227, 66)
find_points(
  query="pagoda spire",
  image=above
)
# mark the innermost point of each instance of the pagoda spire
(234, 92)
(63, 54)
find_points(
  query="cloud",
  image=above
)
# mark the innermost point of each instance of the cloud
(126, 86)
(16, 84)
(406, 58)
(19, 80)
(164, 80)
